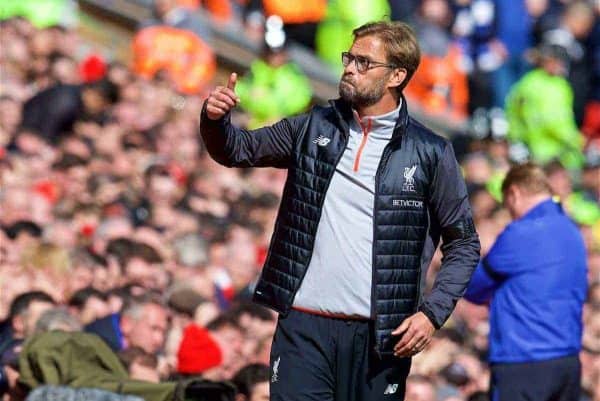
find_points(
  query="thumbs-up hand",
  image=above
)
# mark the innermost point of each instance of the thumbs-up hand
(222, 99)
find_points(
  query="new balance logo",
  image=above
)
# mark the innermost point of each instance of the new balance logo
(391, 389)
(321, 140)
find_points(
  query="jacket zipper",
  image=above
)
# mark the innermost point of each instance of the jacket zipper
(362, 144)
(382, 164)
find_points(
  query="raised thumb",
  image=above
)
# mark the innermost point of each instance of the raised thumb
(232, 81)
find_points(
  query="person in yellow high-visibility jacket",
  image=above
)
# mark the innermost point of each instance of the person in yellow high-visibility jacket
(274, 87)
(539, 109)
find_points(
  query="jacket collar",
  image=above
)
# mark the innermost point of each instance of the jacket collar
(544, 208)
(345, 115)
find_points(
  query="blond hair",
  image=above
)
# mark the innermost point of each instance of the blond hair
(530, 177)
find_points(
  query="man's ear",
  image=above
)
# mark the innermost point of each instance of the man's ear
(240, 397)
(516, 191)
(397, 77)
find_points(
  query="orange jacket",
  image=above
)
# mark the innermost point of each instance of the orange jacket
(220, 9)
(189, 62)
(296, 12)
(439, 85)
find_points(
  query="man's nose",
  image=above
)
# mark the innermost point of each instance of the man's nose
(351, 68)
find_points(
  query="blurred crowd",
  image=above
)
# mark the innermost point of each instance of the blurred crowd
(114, 220)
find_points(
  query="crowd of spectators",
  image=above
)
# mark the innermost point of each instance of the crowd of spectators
(115, 221)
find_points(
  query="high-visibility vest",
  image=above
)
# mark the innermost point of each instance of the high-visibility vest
(334, 33)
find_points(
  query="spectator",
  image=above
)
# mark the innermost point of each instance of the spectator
(252, 382)
(274, 87)
(513, 36)
(578, 204)
(575, 24)
(89, 304)
(199, 353)
(229, 336)
(440, 83)
(141, 264)
(539, 302)
(57, 319)
(140, 364)
(25, 310)
(256, 320)
(52, 112)
(142, 323)
(473, 28)
(540, 111)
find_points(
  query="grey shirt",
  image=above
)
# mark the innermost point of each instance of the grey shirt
(338, 279)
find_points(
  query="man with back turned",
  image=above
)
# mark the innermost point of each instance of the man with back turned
(369, 194)
(534, 279)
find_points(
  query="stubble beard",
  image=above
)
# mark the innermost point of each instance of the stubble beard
(364, 98)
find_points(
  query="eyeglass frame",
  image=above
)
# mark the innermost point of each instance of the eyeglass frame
(370, 63)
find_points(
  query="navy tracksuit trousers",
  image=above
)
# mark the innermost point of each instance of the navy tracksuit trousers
(318, 358)
(552, 380)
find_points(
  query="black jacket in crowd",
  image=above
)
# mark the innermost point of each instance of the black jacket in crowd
(413, 208)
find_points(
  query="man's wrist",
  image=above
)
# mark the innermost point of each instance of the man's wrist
(423, 309)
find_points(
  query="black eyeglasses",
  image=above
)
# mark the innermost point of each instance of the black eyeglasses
(363, 64)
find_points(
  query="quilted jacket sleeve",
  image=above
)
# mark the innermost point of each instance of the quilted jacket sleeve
(231, 146)
(460, 248)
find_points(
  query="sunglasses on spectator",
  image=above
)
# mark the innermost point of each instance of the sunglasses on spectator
(362, 64)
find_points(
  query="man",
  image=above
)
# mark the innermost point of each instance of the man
(539, 110)
(535, 280)
(275, 86)
(52, 112)
(142, 323)
(25, 310)
(89, 304)
(369, 193)
(57, 318)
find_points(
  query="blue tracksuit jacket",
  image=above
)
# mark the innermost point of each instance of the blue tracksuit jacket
(534, 278)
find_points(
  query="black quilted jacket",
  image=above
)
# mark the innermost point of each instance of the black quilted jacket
(420, 197)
